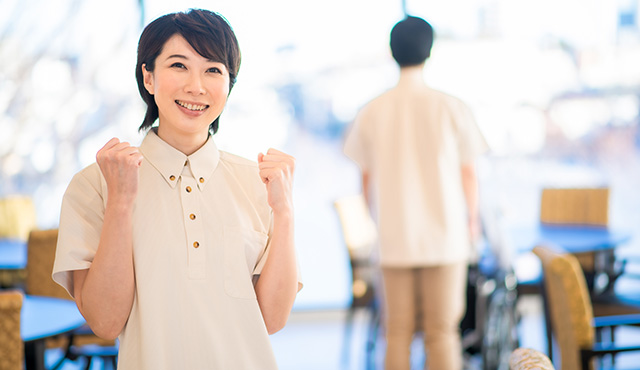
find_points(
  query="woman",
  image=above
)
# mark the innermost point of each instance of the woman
(184, 252)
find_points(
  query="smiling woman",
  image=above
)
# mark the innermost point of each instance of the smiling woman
(190, 92)
(192, 242)
(196, 43)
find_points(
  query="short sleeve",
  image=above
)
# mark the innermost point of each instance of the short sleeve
(355, 144)
(81, 219)
(471, 141)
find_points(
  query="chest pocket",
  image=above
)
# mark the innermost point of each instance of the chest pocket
(242, 247)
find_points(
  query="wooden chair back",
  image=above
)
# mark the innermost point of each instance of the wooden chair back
(569, 304)
(360, 236)
(17, 217)
(41, 253)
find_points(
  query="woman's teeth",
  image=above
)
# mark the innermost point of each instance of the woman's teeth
(191, 106)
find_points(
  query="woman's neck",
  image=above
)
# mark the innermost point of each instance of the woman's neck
(186, 143)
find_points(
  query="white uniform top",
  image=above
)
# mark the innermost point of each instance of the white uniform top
(412, 140)
(201, 227)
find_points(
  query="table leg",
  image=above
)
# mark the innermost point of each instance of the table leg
(34, 355)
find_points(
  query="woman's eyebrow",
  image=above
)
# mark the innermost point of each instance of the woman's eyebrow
(180, 56)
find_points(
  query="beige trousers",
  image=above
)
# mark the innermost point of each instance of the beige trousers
(427, 299)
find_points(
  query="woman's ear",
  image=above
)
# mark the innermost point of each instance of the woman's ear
(147, 77)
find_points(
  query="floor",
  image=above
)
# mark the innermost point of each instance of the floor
(314, 340)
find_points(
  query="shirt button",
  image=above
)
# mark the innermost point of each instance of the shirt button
(172, 177)
(201, 180)
(188, 189)
(192, 216)
(186, 163)
(196, 244)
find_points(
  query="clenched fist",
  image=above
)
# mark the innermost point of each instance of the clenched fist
(120, 164)
(276, 171)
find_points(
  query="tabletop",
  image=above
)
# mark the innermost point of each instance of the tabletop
(13, 254)
(43, 317)
(572, 239)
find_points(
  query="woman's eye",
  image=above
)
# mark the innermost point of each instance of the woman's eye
(214, 70)
(178, 65)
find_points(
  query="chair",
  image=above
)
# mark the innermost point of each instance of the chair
(360, 236)
(587, 207)
(575, 206)
(17, 218)
(41, 249)
(572, 319)
(529, 359)
(11, 345)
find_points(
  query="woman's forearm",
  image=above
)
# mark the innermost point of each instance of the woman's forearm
(105, 291)
(278, 283)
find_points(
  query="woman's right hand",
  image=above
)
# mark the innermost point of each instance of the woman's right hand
(104, 292)
(120, 164)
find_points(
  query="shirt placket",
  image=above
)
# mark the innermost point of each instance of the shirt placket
(191, 211)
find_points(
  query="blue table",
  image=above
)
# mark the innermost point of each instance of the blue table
(600, 241)
(44, 317)
(571, 239)
(13, 254)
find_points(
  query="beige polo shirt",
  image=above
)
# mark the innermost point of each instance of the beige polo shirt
(201, 227)
(412, 141)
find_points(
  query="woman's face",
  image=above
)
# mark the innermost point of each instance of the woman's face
(189, 89)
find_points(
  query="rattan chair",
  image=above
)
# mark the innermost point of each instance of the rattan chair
(11, 345)
(529, 359)
(572, 320)
(41, 249)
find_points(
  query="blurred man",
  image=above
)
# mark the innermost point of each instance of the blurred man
(416, 148)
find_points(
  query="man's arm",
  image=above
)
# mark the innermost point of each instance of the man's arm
(470, 188)
(366, 188)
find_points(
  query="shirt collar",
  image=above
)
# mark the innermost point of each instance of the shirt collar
(170, 162)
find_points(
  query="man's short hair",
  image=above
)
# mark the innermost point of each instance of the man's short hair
(411, 40)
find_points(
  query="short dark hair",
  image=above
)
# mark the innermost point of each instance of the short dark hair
(411, 40)
(207, 32)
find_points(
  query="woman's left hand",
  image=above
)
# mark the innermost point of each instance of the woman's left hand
(276, 172)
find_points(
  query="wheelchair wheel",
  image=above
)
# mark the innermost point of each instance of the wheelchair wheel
(500, 337)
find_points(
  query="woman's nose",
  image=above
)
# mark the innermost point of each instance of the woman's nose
(194, 84)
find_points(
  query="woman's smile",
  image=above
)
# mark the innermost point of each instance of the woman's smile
(192, 106)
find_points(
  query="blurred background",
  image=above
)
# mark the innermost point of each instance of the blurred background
(554, 86)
